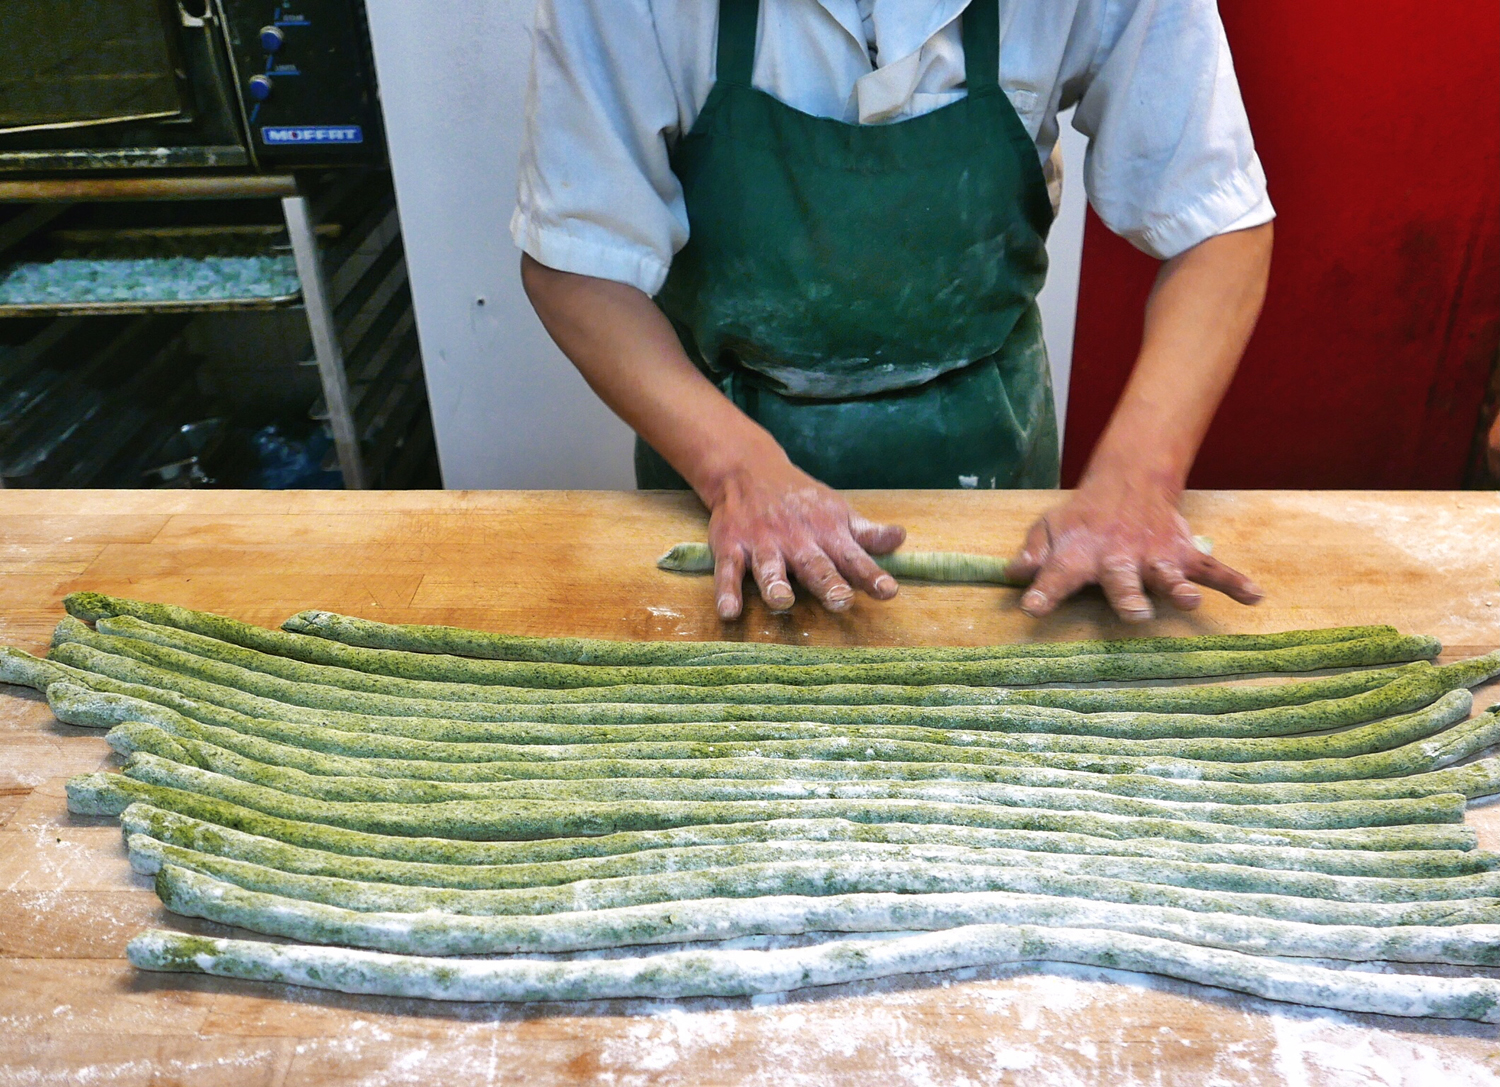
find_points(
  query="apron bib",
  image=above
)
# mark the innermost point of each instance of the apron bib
(867, 293)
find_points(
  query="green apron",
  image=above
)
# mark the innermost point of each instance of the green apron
(867, 293)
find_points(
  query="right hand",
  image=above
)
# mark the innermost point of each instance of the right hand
(773, 520)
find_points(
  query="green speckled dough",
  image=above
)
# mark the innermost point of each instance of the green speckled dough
(110, 794)
(1409, 693)
(1384, 649)
(348, 781)
(952, 566)
(854, 755)
(333, 632)
(1320, 757)
(194, 895)
(329, 778)
(148, 853)
(670, 702)
(673, 802)
(280, 765)
(743, 973)
(311, 848)
(822, 877)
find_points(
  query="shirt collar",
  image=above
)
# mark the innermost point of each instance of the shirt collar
(902, 27)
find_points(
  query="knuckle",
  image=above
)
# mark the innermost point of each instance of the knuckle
(853, 557)
(804, 554)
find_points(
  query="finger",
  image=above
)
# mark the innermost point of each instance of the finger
(861, 571)
(1033, 555)
(816, 571)
(1167, 579)
(769, 569)
(729, 577)
(1120, 578)
(876, 539)
(1207, 570)
(1057, 580)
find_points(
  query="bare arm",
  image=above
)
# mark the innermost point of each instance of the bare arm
(766, 515)
(1495, 448)
(1121, 529)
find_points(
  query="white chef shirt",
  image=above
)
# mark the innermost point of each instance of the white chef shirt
(615, 82)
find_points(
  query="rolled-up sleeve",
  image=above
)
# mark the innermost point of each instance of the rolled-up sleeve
(596, 194)
(1171, 161)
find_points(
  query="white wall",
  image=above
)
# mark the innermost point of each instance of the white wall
(508, 409)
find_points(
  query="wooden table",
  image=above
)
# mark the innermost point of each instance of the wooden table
(72, 1011)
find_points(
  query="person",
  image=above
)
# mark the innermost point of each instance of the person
(796, 245)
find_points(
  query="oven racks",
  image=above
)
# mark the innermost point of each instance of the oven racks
(330, 250)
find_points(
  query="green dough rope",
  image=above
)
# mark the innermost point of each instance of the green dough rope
(675, 800)
(425, 641)
(110, 794)
(857, 753)
(190, 894)
(949, 566)
(148, 853)
(1409, 693)
(247, 835)
(283, 773)
(105, 703)
(820, 877)
(127, 635)
(744, 973)
(954, 566)
(853, 757)
(668, 702)
(455, 641)
(334, 778)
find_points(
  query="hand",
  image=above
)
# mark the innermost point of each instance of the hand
(774, 518)
(1127, 538)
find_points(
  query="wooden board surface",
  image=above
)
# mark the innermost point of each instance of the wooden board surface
(72, 1011)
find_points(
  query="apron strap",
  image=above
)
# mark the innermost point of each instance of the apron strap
(738, 20)
(981, 37)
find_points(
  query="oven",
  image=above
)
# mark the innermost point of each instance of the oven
(150, 85)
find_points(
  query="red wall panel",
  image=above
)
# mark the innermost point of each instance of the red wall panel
(1379, 125)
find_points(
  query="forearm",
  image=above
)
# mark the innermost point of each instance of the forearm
(627, 351)
(1121, 529)
(1198, 320)
(767, 517)
(1494, 450)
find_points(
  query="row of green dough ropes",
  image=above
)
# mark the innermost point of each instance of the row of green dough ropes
(454, 814)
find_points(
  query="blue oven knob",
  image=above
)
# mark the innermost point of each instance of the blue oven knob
(271, 38)
(260, 87)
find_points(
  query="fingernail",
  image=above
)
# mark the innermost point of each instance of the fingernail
(885, 585)
(1033, 600)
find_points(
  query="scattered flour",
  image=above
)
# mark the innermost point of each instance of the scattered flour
(1314, 1048)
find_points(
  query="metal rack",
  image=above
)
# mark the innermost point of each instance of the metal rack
(340, 235)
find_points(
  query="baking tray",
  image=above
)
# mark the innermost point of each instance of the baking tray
(151, 270)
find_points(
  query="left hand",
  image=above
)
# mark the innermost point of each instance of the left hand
(1129, 539)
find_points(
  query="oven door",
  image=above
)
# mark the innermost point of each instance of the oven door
(96, 84)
